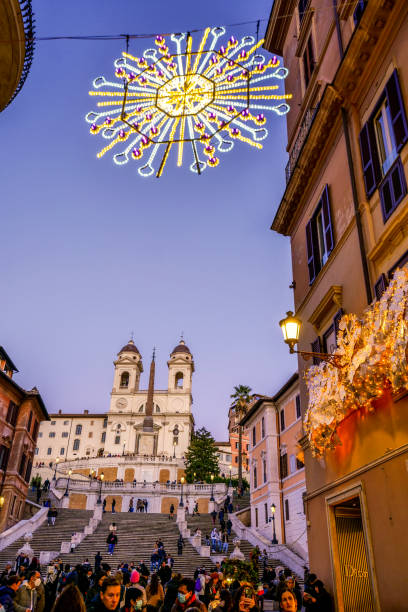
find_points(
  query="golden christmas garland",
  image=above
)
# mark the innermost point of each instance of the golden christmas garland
(372, 356)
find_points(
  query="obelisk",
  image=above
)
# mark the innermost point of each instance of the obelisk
(147, 440)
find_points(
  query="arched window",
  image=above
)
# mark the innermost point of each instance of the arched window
(76, 444)
(179, 379)
(124, 379)
(141, 408)
(157, 408)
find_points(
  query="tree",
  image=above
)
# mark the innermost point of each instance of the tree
(201, 457)
(241, 396)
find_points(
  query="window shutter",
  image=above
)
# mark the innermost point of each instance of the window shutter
(380, 286)
(393, 189)
(328, 231)
(397, 110)
(336, 321)
(316, 348)
(369, 158)
(310, 252)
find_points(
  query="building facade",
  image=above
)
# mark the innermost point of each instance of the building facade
(345, 208)
(121, 430)
(21, 413)
(233, 432)
(274, 428)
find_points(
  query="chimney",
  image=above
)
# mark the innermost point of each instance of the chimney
(86, 411)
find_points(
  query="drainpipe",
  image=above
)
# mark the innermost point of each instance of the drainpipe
(344, 116)
(280, 479)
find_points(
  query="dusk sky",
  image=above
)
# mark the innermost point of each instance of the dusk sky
(91, 251)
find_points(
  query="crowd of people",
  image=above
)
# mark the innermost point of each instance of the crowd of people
(130, 588)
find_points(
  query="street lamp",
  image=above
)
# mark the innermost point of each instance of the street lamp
(69, 478)
(101, 477)
(273, 510)
(194, 477)
(212, 488)
(181, 505)
(55, 471)
(290, 327)
(1, 501)
(174, 449)
(91, 473)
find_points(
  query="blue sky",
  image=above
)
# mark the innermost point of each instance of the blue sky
(91, 251)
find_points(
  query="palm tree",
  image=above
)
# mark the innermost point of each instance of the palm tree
(241, 396)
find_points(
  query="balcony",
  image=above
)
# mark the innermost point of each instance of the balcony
(300, 139)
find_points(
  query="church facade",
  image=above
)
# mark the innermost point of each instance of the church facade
(140, 423)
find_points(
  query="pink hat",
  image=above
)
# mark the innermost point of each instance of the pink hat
(134, 576)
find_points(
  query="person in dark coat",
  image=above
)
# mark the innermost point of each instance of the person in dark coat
(8, 592)
(171, 513)
(164, 573)
(180, 544)
(171, 592)
(111, 541)
(315, 597)
(113, 505)
(98, 560)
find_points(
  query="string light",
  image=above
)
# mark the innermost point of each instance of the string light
(207, 99)
(373, 353)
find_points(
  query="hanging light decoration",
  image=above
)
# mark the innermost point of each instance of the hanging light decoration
(203, 101)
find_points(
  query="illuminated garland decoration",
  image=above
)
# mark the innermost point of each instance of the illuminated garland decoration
(204, 100)
(372, 353)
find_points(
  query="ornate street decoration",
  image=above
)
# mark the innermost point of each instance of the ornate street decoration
(373, 354)
(199, 102)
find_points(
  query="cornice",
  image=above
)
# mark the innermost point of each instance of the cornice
(395, 230)
(333, 298)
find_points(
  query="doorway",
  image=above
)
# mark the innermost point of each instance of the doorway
(352, 564)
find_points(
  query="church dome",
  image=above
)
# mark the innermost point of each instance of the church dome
(181, 348)
(130, 347)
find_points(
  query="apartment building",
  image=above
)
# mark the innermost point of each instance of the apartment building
(345, 209)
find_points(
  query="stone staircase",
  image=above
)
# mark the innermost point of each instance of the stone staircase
(50, 538)
(137, 534)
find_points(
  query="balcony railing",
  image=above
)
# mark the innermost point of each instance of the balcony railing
(300, 139)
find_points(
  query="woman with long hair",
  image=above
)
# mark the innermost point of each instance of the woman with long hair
(154, 594)
(245, 599)
(69, 599)
(288, 601)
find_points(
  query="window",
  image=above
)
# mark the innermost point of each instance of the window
(66, 422)
(282, 419)
(51, 434)
(247, 447)
(105, 422)
(64, 434)
(76, 445)
(255, 478)
(4, 455)
(49, 451)
(319, 236)
(329, 340)
(37, 450)
(30, 420)
(103, 436)
(308, 61)
(253, 436)
(157, 408)
(287, 516)
(141, 408)
(302, 4)
(266, 512)
(236, 459)
(28, 471)
(175, 440)
(52, 423)
(299, 464)
(92, 422)
(292, 463)
(124, 379)
(264, 469)
(359, 10)
(62, 451)
(381, 141)
(236, 444)
(90, 434)
(178, 381)
(298, 410)
(380, 286)
(35, 430)
(262, 427)
(117, 439)
(40, 435)
(12, 414)
(256, 517)
(283, 466)
(78, 430)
